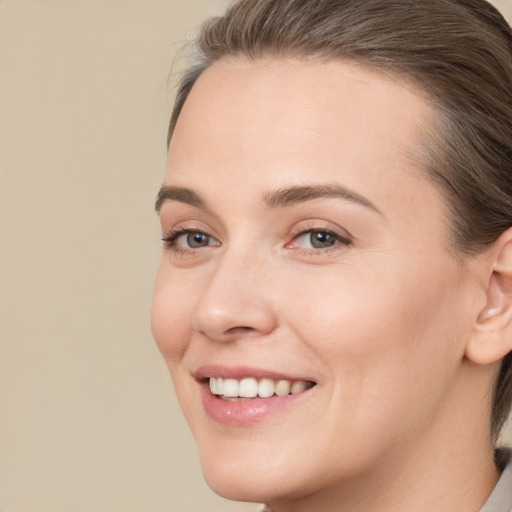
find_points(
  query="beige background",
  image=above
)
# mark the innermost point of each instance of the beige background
(88, 419)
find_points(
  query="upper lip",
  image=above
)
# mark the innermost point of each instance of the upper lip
(240, 372)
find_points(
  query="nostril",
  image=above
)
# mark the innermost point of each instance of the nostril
(241, 328)
(231, 334)
(242, 331)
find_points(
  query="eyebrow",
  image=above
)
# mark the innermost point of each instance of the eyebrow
(281, 198)
(180, 194)
(294, 195)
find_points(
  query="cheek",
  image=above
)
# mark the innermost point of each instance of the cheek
(370, 314)
(170, 317)
(386, 338)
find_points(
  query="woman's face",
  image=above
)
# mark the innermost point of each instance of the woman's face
(304, 246)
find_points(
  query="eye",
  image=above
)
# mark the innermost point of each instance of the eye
(195, 240)
(317, 239)
(182, 240)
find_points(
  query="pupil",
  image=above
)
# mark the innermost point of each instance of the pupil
(197, 240)
(322, 239)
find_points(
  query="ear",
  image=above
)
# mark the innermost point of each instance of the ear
(491, 339)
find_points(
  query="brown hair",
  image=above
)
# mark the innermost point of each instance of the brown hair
(459, 52)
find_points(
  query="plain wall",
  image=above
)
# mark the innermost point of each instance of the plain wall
(88, 418)
(89, 421)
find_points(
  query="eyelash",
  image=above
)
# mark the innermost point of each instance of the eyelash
(170, 239)
(299, 232)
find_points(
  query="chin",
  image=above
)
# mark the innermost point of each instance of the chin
(249, 487)
(250, 477)
(245, 489)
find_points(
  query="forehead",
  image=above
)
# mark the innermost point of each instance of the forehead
(264, 124)
(290, 105)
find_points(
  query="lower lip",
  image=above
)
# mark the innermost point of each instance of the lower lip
(246, 412)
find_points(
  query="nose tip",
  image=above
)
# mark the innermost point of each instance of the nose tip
(232, 309)
(235, 321)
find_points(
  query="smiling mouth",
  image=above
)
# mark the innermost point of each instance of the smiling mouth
(250, 388)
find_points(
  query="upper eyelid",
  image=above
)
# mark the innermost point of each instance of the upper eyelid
(177, 232)
(320, 225)
(189, 225)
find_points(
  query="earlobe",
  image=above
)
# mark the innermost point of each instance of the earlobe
(492, 335)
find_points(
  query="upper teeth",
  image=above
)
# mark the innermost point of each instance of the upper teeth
(250, 387)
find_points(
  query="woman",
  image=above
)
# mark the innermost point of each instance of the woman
(334, 300)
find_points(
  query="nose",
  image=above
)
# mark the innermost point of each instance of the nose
(236, 302)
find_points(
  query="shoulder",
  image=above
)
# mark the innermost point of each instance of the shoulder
(501, 498)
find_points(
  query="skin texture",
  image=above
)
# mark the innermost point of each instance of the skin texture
(381, 321)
